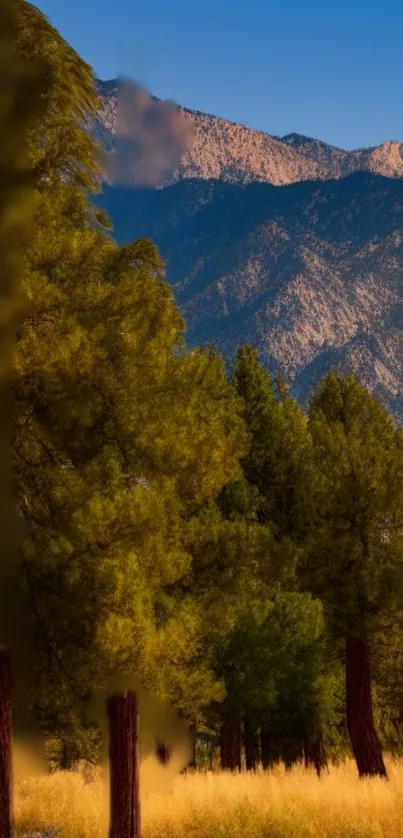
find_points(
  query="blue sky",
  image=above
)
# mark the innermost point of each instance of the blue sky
(331, 69)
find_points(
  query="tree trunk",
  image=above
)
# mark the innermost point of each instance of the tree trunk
(136, 765)
(291, 752)
(251, 743)
(193, 738)
(230, 742)
(192, 762)
(270, 755)
(315, 754)
(124, 766)
(6, 826)
(360, 722)
(67, 758)
(211, 756)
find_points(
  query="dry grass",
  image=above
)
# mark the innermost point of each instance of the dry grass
(271, 805)
(62, 801)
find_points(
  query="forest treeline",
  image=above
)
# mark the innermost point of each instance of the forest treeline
(243, 556)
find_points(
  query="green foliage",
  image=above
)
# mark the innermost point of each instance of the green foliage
(58, 144)
(355, 559)
(387, 669)
(220, 580)
(273, 658)
(276, 669)
(279, 463)
(119, 437)
(22, 87)
(113, 445)
(239, 500)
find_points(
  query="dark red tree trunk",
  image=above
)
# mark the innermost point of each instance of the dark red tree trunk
(230, 742)
(6, 825)
(124, 766)
(360, 722)
(251, 744)
(136, 765)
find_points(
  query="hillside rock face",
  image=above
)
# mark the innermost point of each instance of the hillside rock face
(310, 273)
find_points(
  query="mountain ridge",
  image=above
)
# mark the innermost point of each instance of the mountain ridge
(236, 153)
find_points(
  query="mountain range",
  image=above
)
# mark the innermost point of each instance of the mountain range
(288, 244)
(227, 151)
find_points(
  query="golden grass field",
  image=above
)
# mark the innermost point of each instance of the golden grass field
(221, 805)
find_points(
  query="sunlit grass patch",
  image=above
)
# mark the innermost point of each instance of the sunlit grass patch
(277, 804)
(63, 801)
(220, 805)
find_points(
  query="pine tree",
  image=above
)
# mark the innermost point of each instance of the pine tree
(121, 432)
(278, 678)
(355, 562)
(60, 145)
(273, 494)
(22, 86)
(279, 462)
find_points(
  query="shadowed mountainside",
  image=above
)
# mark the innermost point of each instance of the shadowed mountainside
(311, 274)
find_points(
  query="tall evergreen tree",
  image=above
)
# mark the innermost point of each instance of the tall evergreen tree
(279, 681)
(23, 85)
(355, 562)
(279, 462)
(121, 432)
(273, 492)
(60, 147)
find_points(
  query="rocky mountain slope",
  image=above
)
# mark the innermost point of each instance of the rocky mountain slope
(233, 153)
(310, 273)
